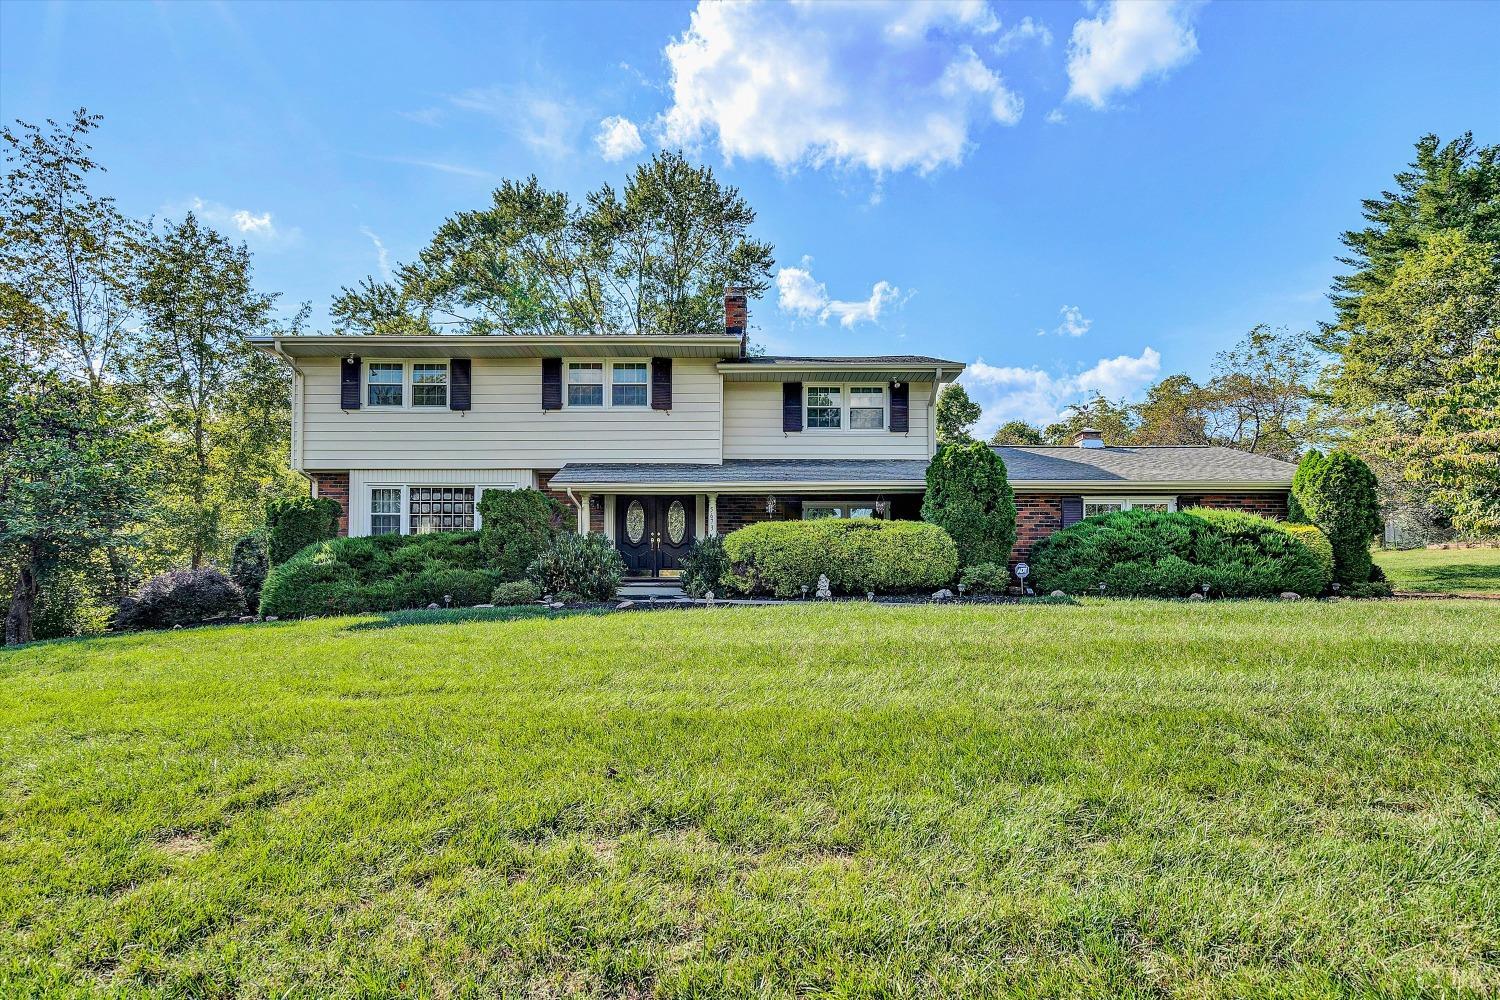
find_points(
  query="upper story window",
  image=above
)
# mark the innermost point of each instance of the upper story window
(429, 383)
(825, 408)
(586, 383)
(385, 383)
(867, 407)
(628, 383)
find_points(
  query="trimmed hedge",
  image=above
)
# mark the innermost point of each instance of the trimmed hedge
(1312, 536)
(985, 578)
(294, 523)
(1138, 553)
(516, 592)
(1338, 493)
(383, 573)
(515, 526)
(858, 555)
(705, 566)
(186, 597)
(969, 497)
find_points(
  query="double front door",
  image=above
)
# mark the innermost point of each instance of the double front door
(653, 533)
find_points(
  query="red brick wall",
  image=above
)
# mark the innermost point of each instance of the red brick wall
(596, 502)
(1264, 504)
(739, 509)
(334, 486)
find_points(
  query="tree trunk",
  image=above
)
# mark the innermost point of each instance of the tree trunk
(22, 601)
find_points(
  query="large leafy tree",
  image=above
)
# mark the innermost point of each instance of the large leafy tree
(1017, 433)
(223, 407)
(1456, 455)
(70, 467)
(956, 413)
(653, 257)
(67, 256)
(1114, 420)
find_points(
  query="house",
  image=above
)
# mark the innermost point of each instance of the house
(657, 440)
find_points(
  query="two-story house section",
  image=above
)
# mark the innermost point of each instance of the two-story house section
(655, 441)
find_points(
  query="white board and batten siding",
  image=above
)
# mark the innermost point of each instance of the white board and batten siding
(506, 427)
(752, 429)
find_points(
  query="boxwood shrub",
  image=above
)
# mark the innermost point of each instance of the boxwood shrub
(859, 555)
(1137, 553)
(383, 573)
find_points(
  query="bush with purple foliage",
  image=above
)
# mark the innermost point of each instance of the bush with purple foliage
(185, 597)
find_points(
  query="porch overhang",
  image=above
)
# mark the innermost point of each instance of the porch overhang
(747, 476)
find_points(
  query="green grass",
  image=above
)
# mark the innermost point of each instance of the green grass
(1114, 799)
(1442, 571)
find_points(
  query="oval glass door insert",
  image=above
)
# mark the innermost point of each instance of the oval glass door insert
(635, 522)
(676, 522)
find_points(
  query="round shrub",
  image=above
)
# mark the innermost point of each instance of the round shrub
(1137, 553)
(969, 497)
(294, 523)
(586, 565)
(705, 566)
(859, 555)
(1337, 492)
(985, 578)
(1312, 536)
(248, 565)
(515, 592)
(185, 597)
(515, 526)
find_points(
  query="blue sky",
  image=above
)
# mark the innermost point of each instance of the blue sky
(1081, 196)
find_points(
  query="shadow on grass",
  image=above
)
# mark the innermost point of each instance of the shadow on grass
(520, 612)
(1475, 578)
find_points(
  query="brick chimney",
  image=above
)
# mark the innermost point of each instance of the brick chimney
(1088, 437)
(736, 315)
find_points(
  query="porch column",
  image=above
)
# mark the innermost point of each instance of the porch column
(583, 513)
(713, 513)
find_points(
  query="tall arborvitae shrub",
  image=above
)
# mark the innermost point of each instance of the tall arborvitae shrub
(294, 523)
(969, 496)
(515, 526)
(1337, 492)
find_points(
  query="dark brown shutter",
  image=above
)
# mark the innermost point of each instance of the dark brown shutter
(1072, 510)
(460, 383)
(901, 407)
(552, 383)
(349, 371)
(791, 406)
(661, 383)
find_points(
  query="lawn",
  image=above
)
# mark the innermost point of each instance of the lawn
(1442, 571)
(1112, 799)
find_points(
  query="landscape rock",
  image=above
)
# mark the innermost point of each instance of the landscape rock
(624, 604)
(432, 607)
(247, 618)
(1195, 596)
(942, 595)
(1287, 595)
(1057, 593)
(272, 618)
(555, 605)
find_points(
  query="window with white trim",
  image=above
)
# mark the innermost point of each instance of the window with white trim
(439, 508)
(429, 383)
(384, 383)
(1109, 505)
(385, 510)
(585, 383)
(866, 407)
(825, 407)
(628, 385)
(813, 510)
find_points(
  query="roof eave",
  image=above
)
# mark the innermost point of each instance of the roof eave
(503, 345)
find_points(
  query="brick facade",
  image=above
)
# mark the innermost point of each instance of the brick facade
(596, 502)
(334, 486)
(1264, 504)
(739, 509)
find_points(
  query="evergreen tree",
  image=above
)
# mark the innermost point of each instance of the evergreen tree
(969, 496)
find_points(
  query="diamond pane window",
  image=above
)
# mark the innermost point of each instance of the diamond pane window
(383, 383)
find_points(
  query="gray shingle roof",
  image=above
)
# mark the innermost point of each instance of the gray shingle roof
(735, 471)
(1163, 464)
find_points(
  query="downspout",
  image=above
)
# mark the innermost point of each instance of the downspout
(581, 513)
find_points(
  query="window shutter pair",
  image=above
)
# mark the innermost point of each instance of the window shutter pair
(460, 383)
(1072, 511)
(661, 383)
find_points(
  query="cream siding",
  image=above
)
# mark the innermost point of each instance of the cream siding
(507, 428)
(752, 428)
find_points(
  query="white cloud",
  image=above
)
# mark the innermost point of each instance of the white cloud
(1038, 397)
(1127, 43)
(798, 293)
(440, 166)
(548, 125)
(382, 255)
(1056, 117)
(884, 87)
(256, 227)
(1024, 31)
(1074, 323)
(618, 138)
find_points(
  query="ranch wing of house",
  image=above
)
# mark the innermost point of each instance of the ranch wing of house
(654, 441)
